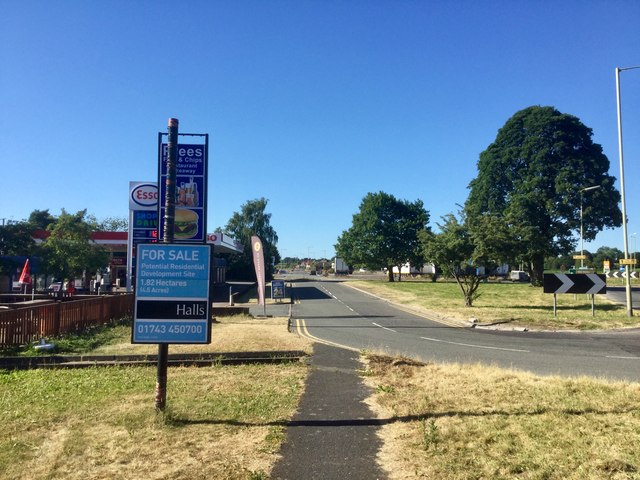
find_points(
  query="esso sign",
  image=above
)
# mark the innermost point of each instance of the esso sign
(144, 196)
(212, 238)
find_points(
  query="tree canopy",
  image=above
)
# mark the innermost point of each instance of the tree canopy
(252, 220)
(15, 241)
(384, 233)
(68, 251)
(524, 204)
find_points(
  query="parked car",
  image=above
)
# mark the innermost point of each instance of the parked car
(519, 276)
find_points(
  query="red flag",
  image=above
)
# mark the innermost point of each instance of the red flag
(258, 263)
(25, 276)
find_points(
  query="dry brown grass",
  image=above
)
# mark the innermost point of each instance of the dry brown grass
(474, 422)
(100, 423)
(239, 333)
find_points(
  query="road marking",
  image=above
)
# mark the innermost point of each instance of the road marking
(337, 299)
(621, 357)
(384, 328)
(301, 328)
(475, 346)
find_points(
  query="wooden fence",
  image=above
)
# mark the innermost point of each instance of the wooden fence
(23, 325)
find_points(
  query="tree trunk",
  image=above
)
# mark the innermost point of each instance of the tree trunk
(390, 270)
(537, 270)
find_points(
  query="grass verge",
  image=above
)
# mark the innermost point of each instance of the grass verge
(506, 304)
(220, 422)
(474, 422)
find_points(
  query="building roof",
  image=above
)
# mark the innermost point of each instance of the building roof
(221, 243)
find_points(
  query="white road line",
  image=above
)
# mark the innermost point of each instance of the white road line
(337, 299)
(384, 328)
(475, 346)
(621, 357)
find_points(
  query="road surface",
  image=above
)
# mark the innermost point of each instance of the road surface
(337, 314)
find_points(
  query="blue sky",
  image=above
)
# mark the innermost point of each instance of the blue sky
(310, 104)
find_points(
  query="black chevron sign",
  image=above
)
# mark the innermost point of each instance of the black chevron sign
(618, 274)
(574, 283)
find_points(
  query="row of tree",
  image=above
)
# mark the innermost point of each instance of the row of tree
(68, 251)
(527, 203)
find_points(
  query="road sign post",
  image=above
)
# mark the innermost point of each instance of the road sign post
(590, 283)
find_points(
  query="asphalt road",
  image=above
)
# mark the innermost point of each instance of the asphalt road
(335, 313)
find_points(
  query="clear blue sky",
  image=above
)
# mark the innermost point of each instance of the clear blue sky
(310, 104)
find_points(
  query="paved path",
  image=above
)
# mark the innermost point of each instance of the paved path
(333, 434)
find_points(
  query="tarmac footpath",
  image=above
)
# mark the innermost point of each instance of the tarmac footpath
(333, 433)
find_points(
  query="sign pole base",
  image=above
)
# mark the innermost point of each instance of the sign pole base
(161, 382)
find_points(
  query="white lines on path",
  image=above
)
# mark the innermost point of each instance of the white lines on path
(475, 346)
(337, 299)
(621, 357)
(384, 328)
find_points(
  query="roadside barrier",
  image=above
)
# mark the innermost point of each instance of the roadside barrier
(23, 325)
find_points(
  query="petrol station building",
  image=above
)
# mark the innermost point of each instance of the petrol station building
(117, 243)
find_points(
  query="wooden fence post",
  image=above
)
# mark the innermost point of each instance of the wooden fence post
(56, 319)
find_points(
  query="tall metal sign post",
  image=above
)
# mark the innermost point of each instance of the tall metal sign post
(168, 222)
(172, 286)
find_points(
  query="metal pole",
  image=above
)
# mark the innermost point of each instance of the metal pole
(169, 221)
(622, 194)
(581, 235)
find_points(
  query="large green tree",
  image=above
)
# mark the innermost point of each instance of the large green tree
(384, 233)
(69, 250)
(252, 219)
(15, 241)
(524, 204)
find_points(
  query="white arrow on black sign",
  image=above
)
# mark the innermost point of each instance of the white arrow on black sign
(617, 274)
(574, 283)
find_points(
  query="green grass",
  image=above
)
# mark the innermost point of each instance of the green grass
(63, 423)
(220, 422)
(78, 343)
(506, 304)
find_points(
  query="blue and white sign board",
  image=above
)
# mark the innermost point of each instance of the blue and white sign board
(277, 289)
(172, 294)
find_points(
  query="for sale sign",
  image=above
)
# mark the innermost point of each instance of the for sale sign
(172, 294)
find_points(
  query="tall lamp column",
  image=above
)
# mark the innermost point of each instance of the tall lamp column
(622, 194)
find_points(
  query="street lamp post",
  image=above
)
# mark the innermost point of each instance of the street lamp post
(587, 189)
(622, 193)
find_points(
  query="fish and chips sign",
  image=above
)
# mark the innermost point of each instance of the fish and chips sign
(172, 294)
